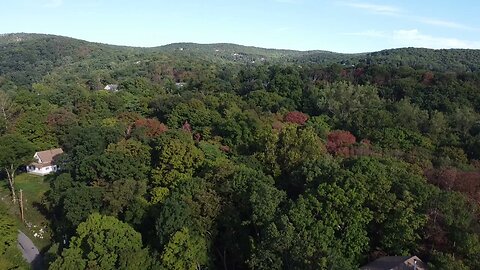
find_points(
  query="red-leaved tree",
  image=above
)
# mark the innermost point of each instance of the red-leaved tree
(187, 127)
(448, 178)
(339, 142)
(152, 126)
(296, 118)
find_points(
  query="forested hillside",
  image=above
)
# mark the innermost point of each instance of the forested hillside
(208, 157)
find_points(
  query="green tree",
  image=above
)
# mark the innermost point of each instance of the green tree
(400, 139)
(439, 129)
(397, 195)
(349, 104)
(284, 152)
(462, 119)
(10, 256)
(33, 126)
(175, 157)
(301, 239)
(195, 112)
(185, 226)
(410, 116)
(7, 110)
(320, 126)
(452, 229)
(251, 202)
(268, 101)
(8, 232)
(441, 261)
(15, 151)
(127, 159)
(120, 194)
(193, 205)
(79, 202)
(84, 145)
(287, 82)
(238, 128)
(104, 242)
(60, 121)
(324, 228)
(184, 251)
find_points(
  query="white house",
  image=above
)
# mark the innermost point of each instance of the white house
(43, 164)
(180, 84)
(111, 87)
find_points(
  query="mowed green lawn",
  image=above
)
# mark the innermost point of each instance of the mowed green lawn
(36, 225)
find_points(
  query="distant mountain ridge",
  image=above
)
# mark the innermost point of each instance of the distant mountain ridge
(28, 57)
(19, 37)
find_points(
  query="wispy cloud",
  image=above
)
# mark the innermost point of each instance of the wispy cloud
(396, 11)
(367, 33)
(443, 23)
(282, 29)
(375, 8)
(415, 38)
(287, 1)
(53, 3)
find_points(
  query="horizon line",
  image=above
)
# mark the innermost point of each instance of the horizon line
(228, 43)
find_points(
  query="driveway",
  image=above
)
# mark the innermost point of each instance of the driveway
(29, 251)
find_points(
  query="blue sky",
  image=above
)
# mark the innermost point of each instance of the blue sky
(334, 25)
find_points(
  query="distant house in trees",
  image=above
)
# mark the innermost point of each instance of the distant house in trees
(111, 87)
(396, 263)
(180, 84)
(43, 163)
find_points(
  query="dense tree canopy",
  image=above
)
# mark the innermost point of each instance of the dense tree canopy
(103, 242)
(222, 160)
(10, 256)
(15, 151)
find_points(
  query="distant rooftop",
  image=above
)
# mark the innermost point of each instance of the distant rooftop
(396, 263)
(111, 87)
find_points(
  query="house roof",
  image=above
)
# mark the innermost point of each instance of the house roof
(111, 87)
(48, 155)
(395, 263)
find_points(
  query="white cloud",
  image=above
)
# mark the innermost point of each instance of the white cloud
(53, 3)
(375, 8)
(414, 38)
(282, 29)
(444, 23)
(396, 11)
(367, 33)
(287, 1)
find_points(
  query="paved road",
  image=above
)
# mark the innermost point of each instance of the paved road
(29, 250)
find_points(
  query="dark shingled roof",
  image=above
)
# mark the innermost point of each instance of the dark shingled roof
(395, 263)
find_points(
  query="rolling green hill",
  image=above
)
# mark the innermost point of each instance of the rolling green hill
(27, 58)
(421, 58)
(249, 54)
(225, 156)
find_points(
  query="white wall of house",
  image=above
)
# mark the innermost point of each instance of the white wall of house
(41, 171)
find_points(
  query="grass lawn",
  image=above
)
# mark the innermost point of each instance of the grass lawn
(36, 225)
